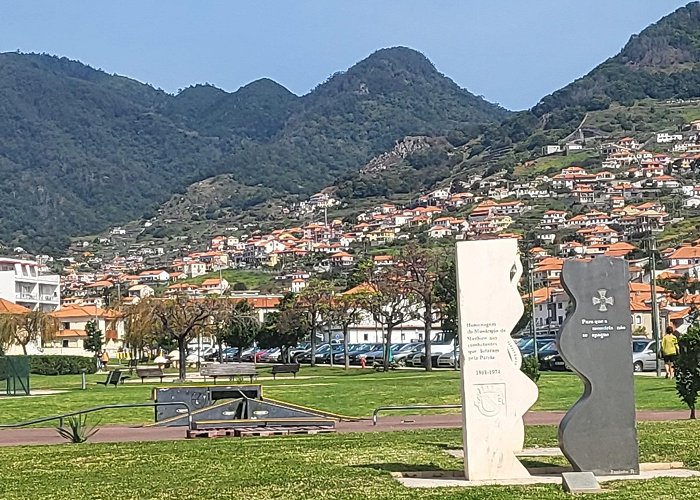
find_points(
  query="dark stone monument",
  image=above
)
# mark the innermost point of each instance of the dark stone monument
(598, 433)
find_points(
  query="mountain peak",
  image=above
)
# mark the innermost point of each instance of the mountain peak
(672, 41)
(662, 62)
(263, 85)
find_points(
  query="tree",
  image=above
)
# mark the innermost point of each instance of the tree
(446, 291)
(93, 341)
(239, 327)
(139, 330)
(24, 328)
(423, 268)
(181, 318)
(687, 367)
(314, 299)
(283, 329)
(346, 309)
(391, 303)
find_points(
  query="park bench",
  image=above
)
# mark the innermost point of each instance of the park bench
(115, 377)
(286, 368)
(150, 372)
(228, 370)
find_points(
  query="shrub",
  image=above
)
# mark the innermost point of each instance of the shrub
(61, 365)
(687, 367)
(531, 368)
(77, 430)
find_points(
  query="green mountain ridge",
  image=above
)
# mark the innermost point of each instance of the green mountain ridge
(83, 150)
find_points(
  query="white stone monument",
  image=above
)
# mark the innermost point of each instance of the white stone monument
(495, 393)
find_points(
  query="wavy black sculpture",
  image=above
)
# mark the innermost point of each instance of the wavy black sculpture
(598, 433)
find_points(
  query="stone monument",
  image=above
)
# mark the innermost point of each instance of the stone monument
(598, 433)
(495, 393)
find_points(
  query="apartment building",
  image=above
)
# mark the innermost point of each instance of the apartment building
(22, 282)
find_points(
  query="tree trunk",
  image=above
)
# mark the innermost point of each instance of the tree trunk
(692, 413)
(182, 349)
(428, 342)
(345, 346)
(313, 342)
(24, 349)
(221, 351)
(387, 346)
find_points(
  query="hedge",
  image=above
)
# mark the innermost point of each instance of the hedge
(61, 365)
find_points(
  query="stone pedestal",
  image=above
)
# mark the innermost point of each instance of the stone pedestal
(598, 433)
(495, 393)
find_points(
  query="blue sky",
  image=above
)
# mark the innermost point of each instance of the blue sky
(510, 51)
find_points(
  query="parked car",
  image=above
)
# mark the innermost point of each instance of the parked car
(406, 351)
(339, 358)
(271, 356)
(448, 360)
(229, 354)
(359, 353)
(643, 354)
(334, 350)
(527, 344)
(248, 354)
(305, 357)
(546, 354)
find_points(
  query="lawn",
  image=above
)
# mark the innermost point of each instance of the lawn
(339, 466)
(354, 393)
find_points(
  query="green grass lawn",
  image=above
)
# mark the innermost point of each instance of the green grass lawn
(342, 466)
(354, 393)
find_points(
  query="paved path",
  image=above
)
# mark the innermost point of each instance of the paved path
(119, 434)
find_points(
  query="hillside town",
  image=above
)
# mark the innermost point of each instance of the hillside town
(616, 207)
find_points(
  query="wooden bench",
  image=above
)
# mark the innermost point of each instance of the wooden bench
(230, 370)
(115, 377)
(150, 372)
(286, 368)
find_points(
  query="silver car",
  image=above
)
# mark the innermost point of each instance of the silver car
(643, 355)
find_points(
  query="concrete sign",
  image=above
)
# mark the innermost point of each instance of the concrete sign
(598, 433)
(495, 393)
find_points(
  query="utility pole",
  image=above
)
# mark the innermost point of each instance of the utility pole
(533, 326)
(654, 303)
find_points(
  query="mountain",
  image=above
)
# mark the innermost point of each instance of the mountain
(257, 111)
(82, 149)
(662, 62)
(356, 115)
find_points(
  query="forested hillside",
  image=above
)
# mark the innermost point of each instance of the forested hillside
(82, 149)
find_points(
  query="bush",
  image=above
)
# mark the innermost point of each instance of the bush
(687, 368)
(531, 368)
(61, 365)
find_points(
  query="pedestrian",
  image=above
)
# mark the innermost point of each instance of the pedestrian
(669, 350)
(104, 359)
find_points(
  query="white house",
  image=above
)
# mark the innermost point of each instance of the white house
(71, 335)
(23, 282)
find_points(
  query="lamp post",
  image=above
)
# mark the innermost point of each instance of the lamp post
(654, 303)
(533, 326)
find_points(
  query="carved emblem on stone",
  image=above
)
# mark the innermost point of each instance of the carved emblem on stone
(603, 301)
(490, 399)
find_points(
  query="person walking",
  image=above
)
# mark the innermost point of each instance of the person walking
(669, 350)
(104, 359)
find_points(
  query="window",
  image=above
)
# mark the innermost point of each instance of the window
(638, 319)
(66, 325)
(366, 337)
(403, 337)
(560, 305)
(65, 343)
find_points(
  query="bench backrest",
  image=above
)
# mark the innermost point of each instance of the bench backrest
(286, 368)
(113, 377)
(149, 372)
(228, 370)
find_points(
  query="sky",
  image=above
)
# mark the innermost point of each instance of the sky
(512, 52)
